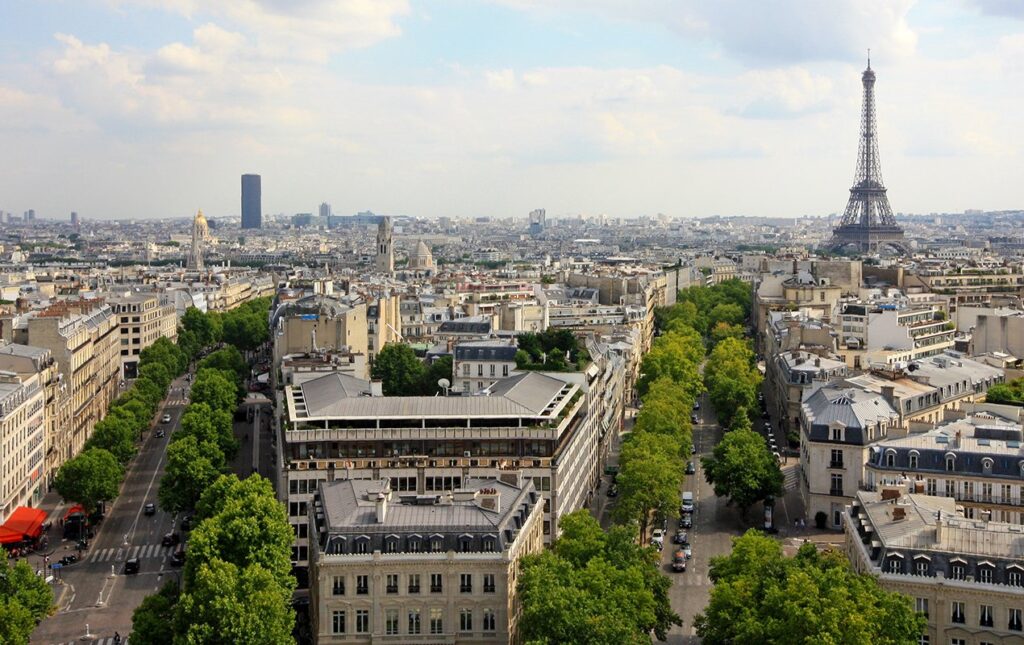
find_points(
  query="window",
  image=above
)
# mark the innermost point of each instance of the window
(488, 544)
(930, 486)
(489, 620)
(895, 565)
(504, 370)
(414, 545)
(837, 459)
(959, 616)
(921, 566)
(985, 574)
(913, 461)
(837, 485)
(950, 463)
(492, 370)
(435, 545)
(362, 546)
(338, 588)
(465, 369)
(436, 580)
(890, 459)
(414, 583)
(479, 370)
(985, 617)
(392, 583)
(1015, 620)
(958, 571)
(391, 546)
(338, 621)
(950, 488)
(921, 606)
(362, 621)
(488, 583)
(958, 641)
(837, 434)
(1014, 577)
(414, 621)
(923, 639)
(466, 583)
(436, 620)
(362, 585)
(391, 622)
(465, 620)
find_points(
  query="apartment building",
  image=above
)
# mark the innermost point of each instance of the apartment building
(891, 333)
(542, 427)
(999, 330)
(26, 362)
(22, 442)
(388, 566)
(976, 460)
(479, 364)
(838, 425)
(318, 324)
(142, 320)
(966, 576)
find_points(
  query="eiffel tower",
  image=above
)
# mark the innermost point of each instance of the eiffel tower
(868, 222)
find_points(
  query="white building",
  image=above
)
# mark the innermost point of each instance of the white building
(22, 442)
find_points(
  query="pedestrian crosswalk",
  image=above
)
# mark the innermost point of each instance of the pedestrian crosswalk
(105, 640)
(176, 402)
(689, 579)
(142, 552)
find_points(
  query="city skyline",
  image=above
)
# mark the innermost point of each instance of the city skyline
(152, 109)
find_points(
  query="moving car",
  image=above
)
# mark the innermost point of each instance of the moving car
(679, 537)
(690, 468)
(686, 549)
(165, 419)
(693, 449)
(68, 559)
(687, 504)
(149, 508)
(178, 558)
(613, 491)
(186, 523)
(679, 561)
(686, 521)
(694, 418)
(171, 539)
(160, 434)
(696, 405)
(131, 566)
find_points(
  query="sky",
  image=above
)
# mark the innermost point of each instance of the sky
(467, 108)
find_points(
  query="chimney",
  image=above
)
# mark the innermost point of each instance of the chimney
(817, 362)
(888, 393)
(376, 387)
(938, 528)
(956, 441)
(382, 507)
(489, 499)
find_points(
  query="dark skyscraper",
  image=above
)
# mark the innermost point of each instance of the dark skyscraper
(251, 202)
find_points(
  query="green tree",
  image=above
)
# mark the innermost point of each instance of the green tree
(742, 469)
(400, 372)
(115, 433)
(216, 389)
(158, 373)
(1011, 393)
(25, 599)
(439, 369)
(229, 360)
(192, 466)
(201, 325)
(675, 355)
(761, 596)
(189, 343)
(242, 523)
(649, 478)
(90, 478)
(731, 378)
(209, 426)
(594, 587)
(726, 312)
(666, 411)
(153, 620)
(228, 603)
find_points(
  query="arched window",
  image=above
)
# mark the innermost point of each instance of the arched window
(890, 458)
(913, 456)
(986, 465)
(950, 462)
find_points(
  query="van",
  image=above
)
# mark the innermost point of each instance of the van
(687, 505)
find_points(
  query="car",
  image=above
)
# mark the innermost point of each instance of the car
(658, 539)
(178, 558)
(679, 561)
(687, 550)
(767, 426)
(68, 559)
(186, 523)
(165, 419)
(171, 539)
(131, 566)
(613, 491)
(694, 418)
(679, 537)
(696, 405)
(686, 521)
(693, 449)
(686, 504)
(160, 434)
(149, 508)
(690, 468)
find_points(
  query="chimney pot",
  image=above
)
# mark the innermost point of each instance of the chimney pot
(376, 387)
(382, 507)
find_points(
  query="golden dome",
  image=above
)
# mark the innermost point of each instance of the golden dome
(200, 217)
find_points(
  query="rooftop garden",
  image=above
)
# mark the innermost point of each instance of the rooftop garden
(551, 351)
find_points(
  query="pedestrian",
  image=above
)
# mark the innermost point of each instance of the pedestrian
(802, 524)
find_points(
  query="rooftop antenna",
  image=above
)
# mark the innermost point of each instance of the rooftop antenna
(869, 58)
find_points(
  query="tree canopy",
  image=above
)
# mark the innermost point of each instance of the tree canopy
(732, 379)
(400, 371)
(25, 599)
(742, 468)
(594, 587)
(90, 478)
(761, 596)
(1011, 393)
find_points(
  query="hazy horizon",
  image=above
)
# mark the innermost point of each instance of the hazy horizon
(131, 109)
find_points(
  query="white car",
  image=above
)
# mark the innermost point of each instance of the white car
(658, 539)
(165, 419)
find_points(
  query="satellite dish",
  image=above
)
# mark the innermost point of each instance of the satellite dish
(444, 383)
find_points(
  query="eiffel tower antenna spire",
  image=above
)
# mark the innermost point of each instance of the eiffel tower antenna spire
(868, 220)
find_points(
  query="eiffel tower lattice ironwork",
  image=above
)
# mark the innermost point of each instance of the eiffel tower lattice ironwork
(868, 222)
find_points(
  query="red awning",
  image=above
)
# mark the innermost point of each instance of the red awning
(77, 509)
(27, 522)
(7, 536)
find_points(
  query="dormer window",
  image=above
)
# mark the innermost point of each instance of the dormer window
(958, 570)
(837, 433)
(895, 563)
(986, 465)
(890, 458)
(465, 543)
(488, 543)
(950, 462)
(922, 565)
(415, 543)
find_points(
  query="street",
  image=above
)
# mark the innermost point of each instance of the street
(96, 597)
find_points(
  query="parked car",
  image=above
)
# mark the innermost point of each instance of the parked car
(165, 419)
(613, 491)
(679, 537)
(686, 506)
(149, 508)
(686, 549)
(693, 449)
(690, 468)
(694, 418)
(658, 539)
(171, 539)
(679, 561)
(160, 434)
(68, 559)
(696, 405)
(178, 558)
(131, 566)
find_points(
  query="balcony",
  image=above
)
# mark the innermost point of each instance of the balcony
(836, 492)
(435, 588)
(392, 588)
(836, 464)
